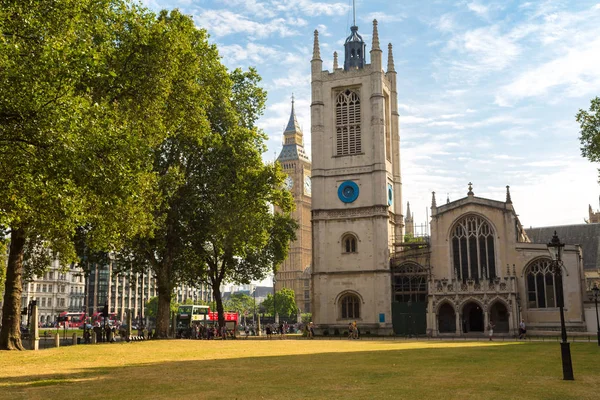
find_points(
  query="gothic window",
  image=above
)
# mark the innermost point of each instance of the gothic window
(542, 290)
(350, 306)
(347, 123)
(409, 283)
(473, 249)
(349, 243)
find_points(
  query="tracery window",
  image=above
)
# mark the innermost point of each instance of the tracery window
(349, 244)
(409, 283)
(473, 249)
(347, 123)
(350, 304)
(542, 290)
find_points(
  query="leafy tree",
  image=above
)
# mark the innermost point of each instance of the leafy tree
(285, 301)
(240, 238)
(239, 302)
(151, 307)
(590, 131)
(78, 91)
(196, 83)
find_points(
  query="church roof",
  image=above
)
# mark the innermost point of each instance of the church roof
(586, 235)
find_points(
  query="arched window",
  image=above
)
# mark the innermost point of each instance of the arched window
(347, 123)
(350, 304)
(473, 249)
(349, 244)
(542, 290)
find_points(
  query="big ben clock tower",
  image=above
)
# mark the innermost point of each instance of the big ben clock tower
(294, 273)
(357, 190)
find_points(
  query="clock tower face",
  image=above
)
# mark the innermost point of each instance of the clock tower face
(289, 183)
(307, 185)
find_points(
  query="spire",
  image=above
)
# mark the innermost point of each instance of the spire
(470, 192)
(316, 51)
(375, 45)
(335, 60)
(293, 147)
(508, 199)
(355, 48)
(447, 198)
(292, 128)
(390, 66)
(408, 209)
(433, 203)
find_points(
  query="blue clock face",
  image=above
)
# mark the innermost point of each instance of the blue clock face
(348, 191)
(390, 193)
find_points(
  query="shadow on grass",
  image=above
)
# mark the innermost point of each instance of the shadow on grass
(458, 372)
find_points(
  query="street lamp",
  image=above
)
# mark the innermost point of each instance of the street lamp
(555, 248)
(274, 301)
(595, 291)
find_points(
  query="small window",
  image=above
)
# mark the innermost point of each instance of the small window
(349, 244)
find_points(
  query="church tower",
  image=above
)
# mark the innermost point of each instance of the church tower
(357, 197)
(294, 273)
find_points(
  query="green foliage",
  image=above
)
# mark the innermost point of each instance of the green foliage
(151, 307)
(79, 90)
(590, 131)
(306, 318)
(239, 302)
(285, 302)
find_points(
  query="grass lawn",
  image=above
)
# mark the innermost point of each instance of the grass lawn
(301, 369)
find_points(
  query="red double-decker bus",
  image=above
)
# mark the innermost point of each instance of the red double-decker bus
(97, 318)
(71, 319)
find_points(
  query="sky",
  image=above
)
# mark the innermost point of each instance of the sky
(487, 91)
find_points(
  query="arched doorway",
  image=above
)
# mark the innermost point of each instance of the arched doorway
(472, 318)
(409, 305)
(499, 316)
(446, 319)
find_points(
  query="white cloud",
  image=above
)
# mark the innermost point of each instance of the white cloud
(311, 8)
(487, 49)
(224, 22)
(383, 17)
(576, 73)
(478, 9)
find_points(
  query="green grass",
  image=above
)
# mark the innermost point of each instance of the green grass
(300, 369)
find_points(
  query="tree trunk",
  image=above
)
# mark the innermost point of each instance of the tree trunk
(216, 286)
(163, 316)
(10, 337)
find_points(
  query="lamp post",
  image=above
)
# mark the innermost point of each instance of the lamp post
(274, 300)
(595, 291)
(555, 247)
(254, 314)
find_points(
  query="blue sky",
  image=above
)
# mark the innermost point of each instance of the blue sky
(487, 91)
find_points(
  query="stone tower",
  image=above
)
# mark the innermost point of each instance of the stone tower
(357, 200)
(294, 272)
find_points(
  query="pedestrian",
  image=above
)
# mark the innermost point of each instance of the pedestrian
(522, 329)
(350, 330)
(311, 329)
(354, 330)
(491, 327)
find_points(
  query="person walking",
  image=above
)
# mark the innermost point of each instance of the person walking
(522, 329)
(354, 330)
(491, 327)
(350, 331)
